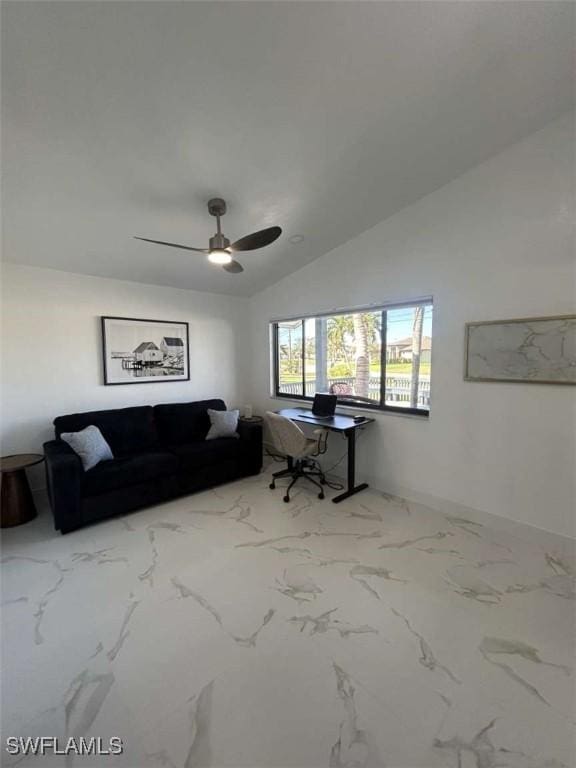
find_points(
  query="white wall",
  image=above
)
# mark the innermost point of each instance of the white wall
(52, 358)
(498, 242)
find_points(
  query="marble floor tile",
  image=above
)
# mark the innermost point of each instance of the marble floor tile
(229, 629)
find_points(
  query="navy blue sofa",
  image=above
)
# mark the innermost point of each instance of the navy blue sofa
(160, 452)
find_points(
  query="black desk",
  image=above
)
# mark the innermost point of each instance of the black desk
(336, 423)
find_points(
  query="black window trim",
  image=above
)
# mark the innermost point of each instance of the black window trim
(383, 308)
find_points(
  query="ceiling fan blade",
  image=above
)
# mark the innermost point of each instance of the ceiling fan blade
(256, 239)
(172, 245)
(234, 266)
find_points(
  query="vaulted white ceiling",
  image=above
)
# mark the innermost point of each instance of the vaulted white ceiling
(124, 118)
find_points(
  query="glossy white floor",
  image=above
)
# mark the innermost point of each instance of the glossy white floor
(231, 629)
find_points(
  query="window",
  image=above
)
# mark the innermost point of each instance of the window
(376, 358)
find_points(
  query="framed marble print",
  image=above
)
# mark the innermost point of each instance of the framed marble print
(532, 350)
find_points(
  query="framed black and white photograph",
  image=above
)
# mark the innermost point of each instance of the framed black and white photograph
(144, 351)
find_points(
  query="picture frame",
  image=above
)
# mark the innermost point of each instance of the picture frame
(528, 350)
(142, 351)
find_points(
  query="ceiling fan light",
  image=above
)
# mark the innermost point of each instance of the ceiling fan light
(219, 256)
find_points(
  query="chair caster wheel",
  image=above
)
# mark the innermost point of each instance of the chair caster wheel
(321, 495)
(286, 498)
(272, 486)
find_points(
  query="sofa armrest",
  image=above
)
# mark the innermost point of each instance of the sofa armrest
(64, 480)
(251, 437)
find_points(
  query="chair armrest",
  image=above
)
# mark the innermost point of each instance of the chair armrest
(64, 474)
(251, 437)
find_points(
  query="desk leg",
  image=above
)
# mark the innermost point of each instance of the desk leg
(352, 487)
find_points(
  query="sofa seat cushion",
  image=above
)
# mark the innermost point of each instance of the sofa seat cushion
(207, 453)
(129, 470)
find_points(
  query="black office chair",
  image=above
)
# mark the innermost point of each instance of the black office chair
(301, 451)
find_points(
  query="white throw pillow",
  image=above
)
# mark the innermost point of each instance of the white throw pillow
(224, 424)
(90, 445)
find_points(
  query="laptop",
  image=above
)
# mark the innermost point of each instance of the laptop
(324, 406)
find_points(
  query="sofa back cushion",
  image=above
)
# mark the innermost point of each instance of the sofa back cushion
(181, 423)
(126, 430)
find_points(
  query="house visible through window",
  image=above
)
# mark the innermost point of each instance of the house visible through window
(377, 358)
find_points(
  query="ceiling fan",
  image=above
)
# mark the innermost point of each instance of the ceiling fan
(220, 250)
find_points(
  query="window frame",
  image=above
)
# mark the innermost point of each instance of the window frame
(381, 406)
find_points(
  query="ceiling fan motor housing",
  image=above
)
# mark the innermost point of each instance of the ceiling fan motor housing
(219, 242)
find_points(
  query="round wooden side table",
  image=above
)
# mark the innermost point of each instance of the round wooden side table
(16, 502)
